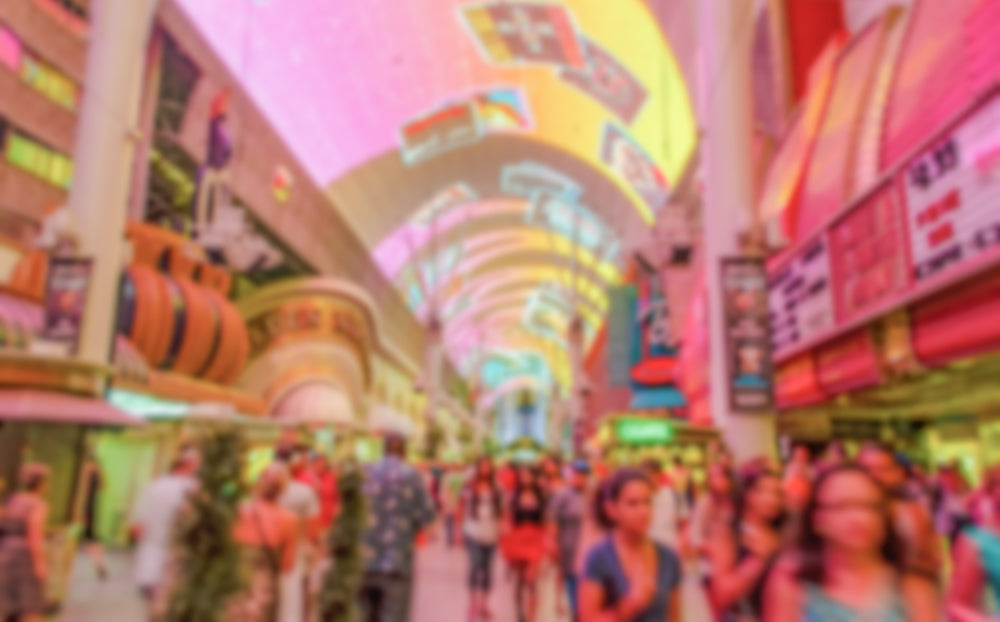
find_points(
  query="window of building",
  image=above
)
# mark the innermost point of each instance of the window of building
(49, 82)
(37, 159)
(35, 72)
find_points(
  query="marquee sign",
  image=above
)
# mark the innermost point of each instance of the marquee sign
(800, 298)
(952, 191)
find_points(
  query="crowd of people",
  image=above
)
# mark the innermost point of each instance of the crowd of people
(818, 538)
(827, 538)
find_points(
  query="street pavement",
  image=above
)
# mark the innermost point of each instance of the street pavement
(440, 592)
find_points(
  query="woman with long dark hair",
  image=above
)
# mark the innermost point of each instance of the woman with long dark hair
(742, 552)
(480, 514)
(849, 564)
(628, 577)
(977, 557)
(525, 543)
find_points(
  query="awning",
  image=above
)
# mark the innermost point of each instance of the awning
(319, 403)
(34, 406)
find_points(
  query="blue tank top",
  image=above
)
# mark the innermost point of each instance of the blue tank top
(988, 545)
(603, 567)
(818, 607)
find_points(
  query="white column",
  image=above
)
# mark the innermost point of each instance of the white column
(725, 116)
(106, 138)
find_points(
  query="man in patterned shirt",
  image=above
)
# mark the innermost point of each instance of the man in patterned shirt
(399, 507)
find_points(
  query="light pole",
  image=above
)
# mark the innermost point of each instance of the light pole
(106, 139)
(725, 115)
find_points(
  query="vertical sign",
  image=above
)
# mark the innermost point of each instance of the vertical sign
(748, 342)
(65, 299)
(800, 298)
(621, 325)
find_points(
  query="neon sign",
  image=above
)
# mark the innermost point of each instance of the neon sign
(643, 431)
(456, 124)
(631, 164)
(524, 32)
(529, 180)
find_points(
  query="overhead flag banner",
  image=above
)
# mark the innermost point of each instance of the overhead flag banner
(460, 123)
(632, 165)
(525, 32)
(607, 81)
(529, 179)
(748, 339)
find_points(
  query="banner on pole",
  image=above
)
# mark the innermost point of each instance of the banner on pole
(66, 298)
(747, 333)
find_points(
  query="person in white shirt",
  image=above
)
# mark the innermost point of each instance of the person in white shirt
(301, 500)
(154, 518)
(670, 511)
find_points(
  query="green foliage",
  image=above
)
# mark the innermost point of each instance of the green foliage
(208, 557)
(338, 599)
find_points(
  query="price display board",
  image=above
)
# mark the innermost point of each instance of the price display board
(952, 193)
(868, 254)
(800, 298)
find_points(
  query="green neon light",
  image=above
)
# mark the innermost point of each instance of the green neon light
(147, 406)
(643, 431)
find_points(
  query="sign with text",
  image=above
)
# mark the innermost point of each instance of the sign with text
(643, 431)
(952, 192)
(66, 298)
(868, 254)
(748, 342)
(800, 298)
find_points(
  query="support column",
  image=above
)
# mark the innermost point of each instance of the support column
(103, 158)
(726, 120)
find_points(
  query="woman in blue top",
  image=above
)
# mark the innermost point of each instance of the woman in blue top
(628, 577)
(848, 565)
(977, 558)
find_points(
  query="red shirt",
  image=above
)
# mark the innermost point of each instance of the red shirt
(325, 486)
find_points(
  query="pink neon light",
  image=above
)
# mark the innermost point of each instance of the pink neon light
(339, 78)
(10, 49)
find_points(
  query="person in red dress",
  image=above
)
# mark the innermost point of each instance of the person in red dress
(526, 542)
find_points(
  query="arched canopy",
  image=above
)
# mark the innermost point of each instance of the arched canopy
(481, 148)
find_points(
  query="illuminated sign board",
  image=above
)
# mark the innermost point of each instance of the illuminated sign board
(800, 298)
(524, 32)
(608, 81)
(632, 165)
(951, 191)
(867, 254)
(530, 179)
(456, 124)
(643, 431)
(748, 348)
(575, 222)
